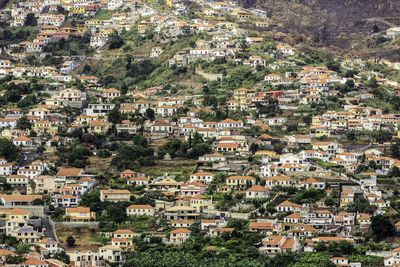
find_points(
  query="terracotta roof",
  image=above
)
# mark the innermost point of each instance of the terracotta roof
(261, 225)
(24, 198)
(69, 172)
(257, 188)
(123, 231)
(140, 207)
(78, 209)
(180, 231)
(288, 203)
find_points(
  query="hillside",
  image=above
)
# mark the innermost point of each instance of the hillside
(332, 21)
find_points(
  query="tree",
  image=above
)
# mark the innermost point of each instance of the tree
(394, 172)
(150, 114)
(62, 256)
(91, 200)
(23, 123)
(9, 151)
(373, 83)
(199, 150)
(333, 65)
(79, 156)
(87, 68)
(131, 157)
(115, 41)
(114, 116)
(30, 20)
(10, 259)
(329, 201)
(70, 241)
(382, 227)
(23, 248)
(395, 149)
(351, 136)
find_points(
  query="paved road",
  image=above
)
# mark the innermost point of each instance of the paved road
(49, 233)
(29, 158)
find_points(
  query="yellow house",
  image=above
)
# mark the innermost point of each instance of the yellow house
(200, 203)
(244, 92)
(240, 180)
(113, 195)
(26, 234)
(93, 23)
(228, 25)
(44, 127)
(240, 14)
(79, 214)
(98, 127)
(85, 119)
(77, 10)
(17, 180)
(320, 131)
(363, 218)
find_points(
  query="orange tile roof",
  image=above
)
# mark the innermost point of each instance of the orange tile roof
(180, 231)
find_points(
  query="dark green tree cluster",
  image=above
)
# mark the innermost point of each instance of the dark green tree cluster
(9, 151)
(193, 148)
(133, 156)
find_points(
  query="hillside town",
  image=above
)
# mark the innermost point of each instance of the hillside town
(191, 133)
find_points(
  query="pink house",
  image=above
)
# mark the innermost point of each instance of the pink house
(193, 189)
(60, 35)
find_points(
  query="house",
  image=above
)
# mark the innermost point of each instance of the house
(128, 174)
(193, 189)
(23, 141)
(69, 173)
(202, 177)
(123, 243)
(111, 93)
(138, 210)
(312, 183)
(257, 191)
(216, 232)
(123, 233)
(273, 181)
(138, 181)
(286, 206)
(66, 200)
(215, 157)
(156, 51)
(98, 109)
(113, 195)
(293, 218)
(17, 200)
(277, 243)
(17, 180)
(201, 203)
(240, 180)
(182, 223)
(179, 235)
(166, 184)
(263, 227)
(181, 213)
(160, 126)
(85, 258)
(79, 214)
(5, 169)
(340, 261)
(26, 234)
(111, 253)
